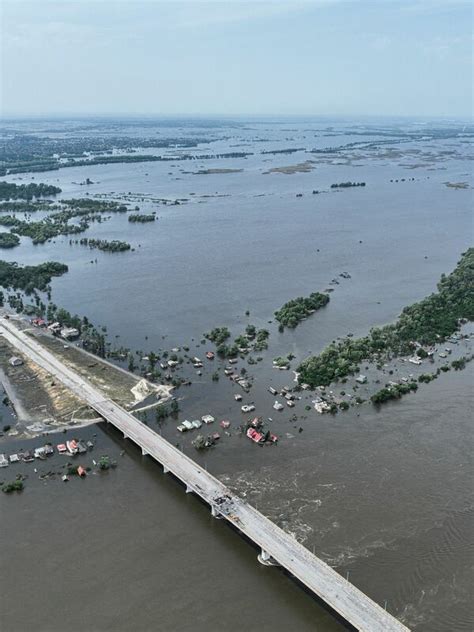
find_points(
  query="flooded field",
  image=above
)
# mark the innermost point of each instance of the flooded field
(383, 495)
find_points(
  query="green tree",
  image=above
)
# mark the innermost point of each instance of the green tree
(152, 360)
(161, 413)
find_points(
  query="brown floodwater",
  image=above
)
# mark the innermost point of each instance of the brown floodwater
(386, 499)
(385, 496)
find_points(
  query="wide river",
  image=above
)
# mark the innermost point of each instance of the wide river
(386, 497)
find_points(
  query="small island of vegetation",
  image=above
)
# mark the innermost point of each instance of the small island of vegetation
(394, 391)
(106, 246)
(8, 240)
(13, 486)
(57, 223)
(253, 339)
(94, 206)
(29, 278)
(141, 218)
(40, 232)
(293, 312)
(218, 335)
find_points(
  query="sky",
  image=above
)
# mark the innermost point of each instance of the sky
(271, 57)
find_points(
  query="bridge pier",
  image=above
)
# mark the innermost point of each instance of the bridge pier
(266, 559)
(165, 470)
(215, 513)
(189, 490)
(144, 452)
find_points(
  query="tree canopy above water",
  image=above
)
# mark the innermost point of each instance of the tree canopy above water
(431, 320)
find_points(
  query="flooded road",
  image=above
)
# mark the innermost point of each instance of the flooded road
(385, 496)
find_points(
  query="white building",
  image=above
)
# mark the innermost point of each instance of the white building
(321, 407)
(207, 419)
(69, 332)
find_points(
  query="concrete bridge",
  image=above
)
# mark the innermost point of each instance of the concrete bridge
(277, 547)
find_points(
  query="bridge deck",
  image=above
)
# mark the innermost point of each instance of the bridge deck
(343, 597)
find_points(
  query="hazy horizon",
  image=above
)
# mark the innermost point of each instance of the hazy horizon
(271, 58)
(243, 116)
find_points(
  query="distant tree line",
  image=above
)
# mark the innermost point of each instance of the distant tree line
(141, 218)
(346, 185)
(12, 191)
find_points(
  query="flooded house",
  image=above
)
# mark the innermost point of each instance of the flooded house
(69, 333)
(72, 446)
(321, 407)
(247, 408)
